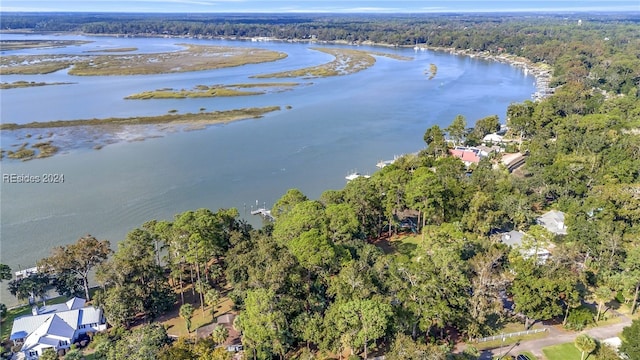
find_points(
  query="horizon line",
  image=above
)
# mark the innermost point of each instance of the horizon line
(300, 12)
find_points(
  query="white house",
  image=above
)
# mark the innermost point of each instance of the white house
(492, 138)
(553, 221)
(55, 326)
(516, 239)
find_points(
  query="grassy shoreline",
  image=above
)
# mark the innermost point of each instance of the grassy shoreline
(6, 45)
(204, 91)
(345, 62)
(190, 118)
(191, 58)
(24, 84)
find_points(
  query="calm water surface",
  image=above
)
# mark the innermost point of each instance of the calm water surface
(336, 125)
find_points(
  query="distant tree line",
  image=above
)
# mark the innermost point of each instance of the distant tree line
(597, 50)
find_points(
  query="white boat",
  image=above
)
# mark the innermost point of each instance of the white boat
(355, 175)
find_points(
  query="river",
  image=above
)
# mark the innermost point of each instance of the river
(335, 125)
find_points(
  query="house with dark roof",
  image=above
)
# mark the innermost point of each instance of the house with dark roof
(55, 327)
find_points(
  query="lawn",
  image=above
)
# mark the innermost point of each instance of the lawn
(12, 314)
(566, 351)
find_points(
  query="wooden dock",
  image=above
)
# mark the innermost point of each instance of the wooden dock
(266, 214)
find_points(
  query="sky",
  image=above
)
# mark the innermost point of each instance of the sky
(320, 6)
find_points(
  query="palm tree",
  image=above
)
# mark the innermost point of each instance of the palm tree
(211, 297)
(602, 295)
(186, 312)
(220, 334)
(585, 343)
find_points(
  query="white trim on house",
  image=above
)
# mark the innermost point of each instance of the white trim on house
(55, 326)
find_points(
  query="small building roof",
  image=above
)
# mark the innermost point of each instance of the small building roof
(512, 160)
(512, 238)
(71, 304)
(492, 138)
(486, 150)
(75, 303)
(467, 156)
(225, 319)
(614, 342)
(89, 315)
(553, 221)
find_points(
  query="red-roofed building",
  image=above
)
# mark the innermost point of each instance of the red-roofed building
(468, 156)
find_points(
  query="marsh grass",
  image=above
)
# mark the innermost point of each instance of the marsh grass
(32, 68)
(23, 153)
(192, 58)
(45, 149)
(37, 150)
(25, 84)
(183, 94)
(190, 118)
(346, 61)
(204, 91)
(36, 44)
(433, 70)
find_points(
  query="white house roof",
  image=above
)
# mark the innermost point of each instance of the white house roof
(46, 340)
(70, 317)
(71, 304)
(50, 332)
(614, 342)
(512, 238)
(492, 138)
(553, 221)
(27, 324)
(75, 303)
(89, 315)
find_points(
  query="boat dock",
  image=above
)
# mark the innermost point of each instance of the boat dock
(383, 163)
(354, 175)
(26, 273)
(266, 214)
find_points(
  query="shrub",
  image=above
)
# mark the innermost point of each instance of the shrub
(579, 318)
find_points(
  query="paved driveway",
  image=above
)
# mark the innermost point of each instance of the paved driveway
(557, 336)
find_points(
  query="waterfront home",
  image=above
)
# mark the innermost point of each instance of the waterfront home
(55, 327)
(467, 155)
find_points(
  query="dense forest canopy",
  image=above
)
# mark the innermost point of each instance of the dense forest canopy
(317, 281)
